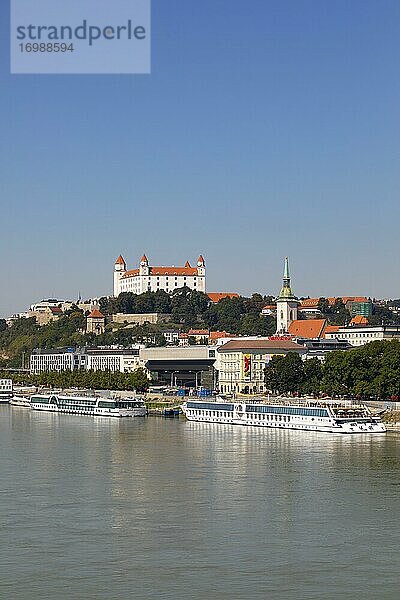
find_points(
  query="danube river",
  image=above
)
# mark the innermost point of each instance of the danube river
(166, 509)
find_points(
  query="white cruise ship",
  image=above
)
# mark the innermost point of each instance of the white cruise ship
(90, 405)
(6, 390)
(309, 416)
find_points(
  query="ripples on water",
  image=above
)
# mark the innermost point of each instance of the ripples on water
(153, 508)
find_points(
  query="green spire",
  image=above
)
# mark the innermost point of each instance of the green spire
(286, 291)
(286, 270)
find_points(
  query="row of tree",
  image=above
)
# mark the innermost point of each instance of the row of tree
(94, 380)
(372, 370)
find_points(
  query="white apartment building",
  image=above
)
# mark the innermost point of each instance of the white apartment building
(125, 360)
(60, 359)
(358, 336)
(147, 278)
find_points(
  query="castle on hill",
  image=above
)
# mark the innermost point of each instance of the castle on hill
(150, 279)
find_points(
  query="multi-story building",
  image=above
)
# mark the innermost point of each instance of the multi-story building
(59, 359)
(147, 278)
(125, 360)
(241, 363)
(356, 305)
(358, 336)
(363, 308)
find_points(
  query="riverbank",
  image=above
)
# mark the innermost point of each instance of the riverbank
(391, 418)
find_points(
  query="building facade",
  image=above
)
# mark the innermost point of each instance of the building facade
(95, 322)
(241, 364)
(150, 279)
(59, 359)
(358, 336)
(141, 318)
(124, 360)
(189, 367)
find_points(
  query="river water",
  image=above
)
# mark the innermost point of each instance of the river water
(165, 509)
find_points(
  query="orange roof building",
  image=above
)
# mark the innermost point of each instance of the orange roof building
(313, 302)
(95, 322)
(308, 328)
(148, 278)
(215, 297)
(331, 329)
(359, 321)
(95, 314)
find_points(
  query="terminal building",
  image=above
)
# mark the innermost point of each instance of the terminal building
(192, 366)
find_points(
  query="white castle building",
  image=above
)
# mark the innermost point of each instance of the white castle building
(151, 279)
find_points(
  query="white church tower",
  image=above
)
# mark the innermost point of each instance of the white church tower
(119, 270)
(286, 304)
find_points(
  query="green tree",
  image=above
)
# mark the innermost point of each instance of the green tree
(323, 306)
(312, 380)
(285, 374)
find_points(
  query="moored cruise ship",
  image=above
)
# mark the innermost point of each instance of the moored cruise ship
(309, 416)
(90, 405)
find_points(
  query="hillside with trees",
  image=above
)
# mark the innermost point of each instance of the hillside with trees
(188, 309)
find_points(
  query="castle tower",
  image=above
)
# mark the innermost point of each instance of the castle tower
(119, 271)
(95, 322)
(286, 304)
(201, 266)
(144, 266)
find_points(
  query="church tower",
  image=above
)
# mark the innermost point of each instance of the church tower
(286, 304)
(119, 270)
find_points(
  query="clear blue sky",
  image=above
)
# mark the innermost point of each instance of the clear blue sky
(267, 128)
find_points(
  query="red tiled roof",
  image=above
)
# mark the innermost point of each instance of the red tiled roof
(132, 273)
(359, 320)
(181, 271)
(173, 271)
(187, 264)
(331, 329)
(204, 332)
(95, 314)
(217, 296)
(201, 259)
(313, 302)
(56, 309)
(120, 260)
(216, 335)
(270, 307)
(309, 328)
